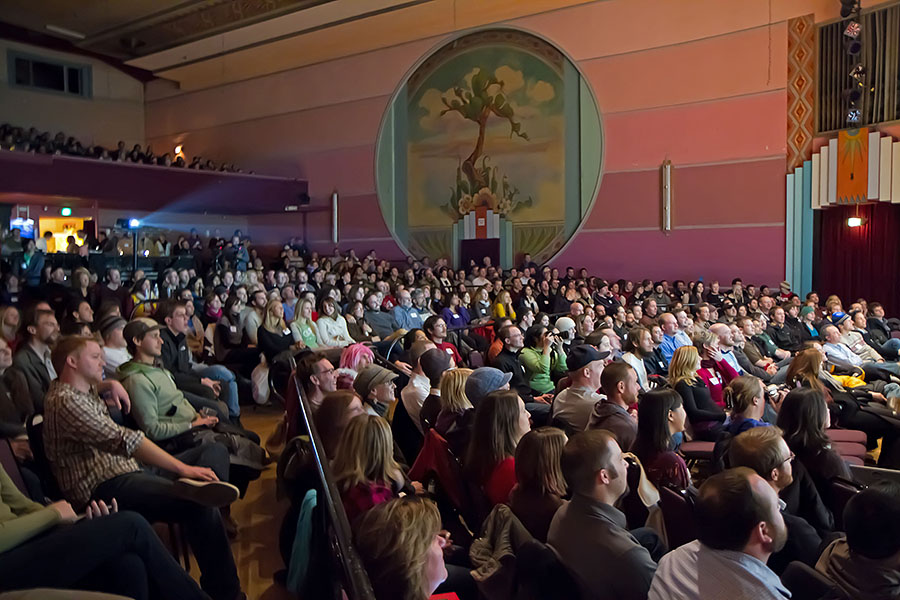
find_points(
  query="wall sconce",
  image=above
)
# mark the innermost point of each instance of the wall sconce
(855, 222)
(666, 173)
(334, 217)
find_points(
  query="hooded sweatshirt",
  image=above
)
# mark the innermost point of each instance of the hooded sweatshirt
(159, 408)
(860, 577)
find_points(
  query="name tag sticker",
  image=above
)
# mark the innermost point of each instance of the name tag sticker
(286, 331)
(414, 315)
(714, 380)
(233, 329)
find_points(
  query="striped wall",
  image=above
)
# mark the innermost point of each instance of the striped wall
(698, 82)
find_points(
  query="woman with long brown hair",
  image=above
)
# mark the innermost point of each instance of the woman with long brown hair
(500, 422)
(540, 483)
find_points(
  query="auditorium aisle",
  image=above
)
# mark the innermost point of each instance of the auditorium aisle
(259, 517)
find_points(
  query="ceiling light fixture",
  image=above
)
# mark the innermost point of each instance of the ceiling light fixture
(65, 32)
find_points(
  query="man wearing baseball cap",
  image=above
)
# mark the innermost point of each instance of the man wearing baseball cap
(375, 385)
(573, 406)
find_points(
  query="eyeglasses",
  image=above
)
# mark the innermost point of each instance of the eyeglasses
(326, 371)
(790, 457)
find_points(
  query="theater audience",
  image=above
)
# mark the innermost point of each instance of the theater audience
(540, 485)
(93, 458)
(588, 533)
(739, 526)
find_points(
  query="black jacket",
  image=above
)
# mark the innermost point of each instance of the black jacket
(508, 362)
(878, 329)
(783, 336)
(176, 359)
(31, 366)
(656, 364)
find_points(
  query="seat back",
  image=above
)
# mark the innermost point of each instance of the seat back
(9, 464)
(636, 512)
(720, 453)
(678, 515)
(841, 491)
(540, 575)
(35, 427)
(437, 461)
(406, 434)
(475, 359)
(805, 583)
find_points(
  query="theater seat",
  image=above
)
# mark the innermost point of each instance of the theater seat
(805, 583)
(678, 515)
(841, 492)
(697, 451)
(541, 576)
(8, 461)
(847, 435)
(849, 449)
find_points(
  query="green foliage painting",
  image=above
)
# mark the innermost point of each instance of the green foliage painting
(486, 128)
(500, 120)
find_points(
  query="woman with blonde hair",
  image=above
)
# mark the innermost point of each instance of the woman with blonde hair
(746, 395)
(540, 483)
(303, 328)
(9, 325)
(503, 306)
(401, 546)
(714, 370)
(364, 468)
(274, 337)
(454, 402)
(703, 414)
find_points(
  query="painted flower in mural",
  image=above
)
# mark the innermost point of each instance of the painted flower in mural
(465, 204)
(477, 182)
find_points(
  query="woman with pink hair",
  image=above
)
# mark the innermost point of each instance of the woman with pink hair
(354, 358)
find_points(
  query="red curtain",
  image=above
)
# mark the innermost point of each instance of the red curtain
(860, 262)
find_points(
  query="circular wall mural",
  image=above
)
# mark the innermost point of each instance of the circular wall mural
(492, 146)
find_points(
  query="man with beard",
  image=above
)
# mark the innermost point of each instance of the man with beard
(589, 533)
(739, 526)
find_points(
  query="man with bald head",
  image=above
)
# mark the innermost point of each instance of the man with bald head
(671, 342)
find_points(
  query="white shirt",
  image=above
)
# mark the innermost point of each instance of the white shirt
(638, 365)
(413, 396)
(333, 332)
(698, 572)
(115, 357)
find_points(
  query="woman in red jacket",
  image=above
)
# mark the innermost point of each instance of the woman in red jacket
(714, 370)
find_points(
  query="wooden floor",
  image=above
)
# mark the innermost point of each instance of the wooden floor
(259, 516)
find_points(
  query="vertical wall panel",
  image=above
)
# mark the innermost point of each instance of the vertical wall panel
(824, 166)
(895, 174)
(806, 228)
(884, 171)
(789, 229)
(874, 164)
(832, 170)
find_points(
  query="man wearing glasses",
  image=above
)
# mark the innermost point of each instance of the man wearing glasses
(764, 450)
(317, 376)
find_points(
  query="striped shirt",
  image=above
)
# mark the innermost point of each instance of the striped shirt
(84, 445)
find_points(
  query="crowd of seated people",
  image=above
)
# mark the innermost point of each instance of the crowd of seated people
(536, 387)
(19, 139)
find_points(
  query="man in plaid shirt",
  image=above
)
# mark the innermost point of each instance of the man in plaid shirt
(94, 458)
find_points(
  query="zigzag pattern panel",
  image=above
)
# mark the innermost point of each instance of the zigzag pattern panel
(801, 75)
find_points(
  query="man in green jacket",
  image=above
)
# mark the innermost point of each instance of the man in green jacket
(159, 408)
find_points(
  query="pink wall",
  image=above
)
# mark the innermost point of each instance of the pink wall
(703, 87)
